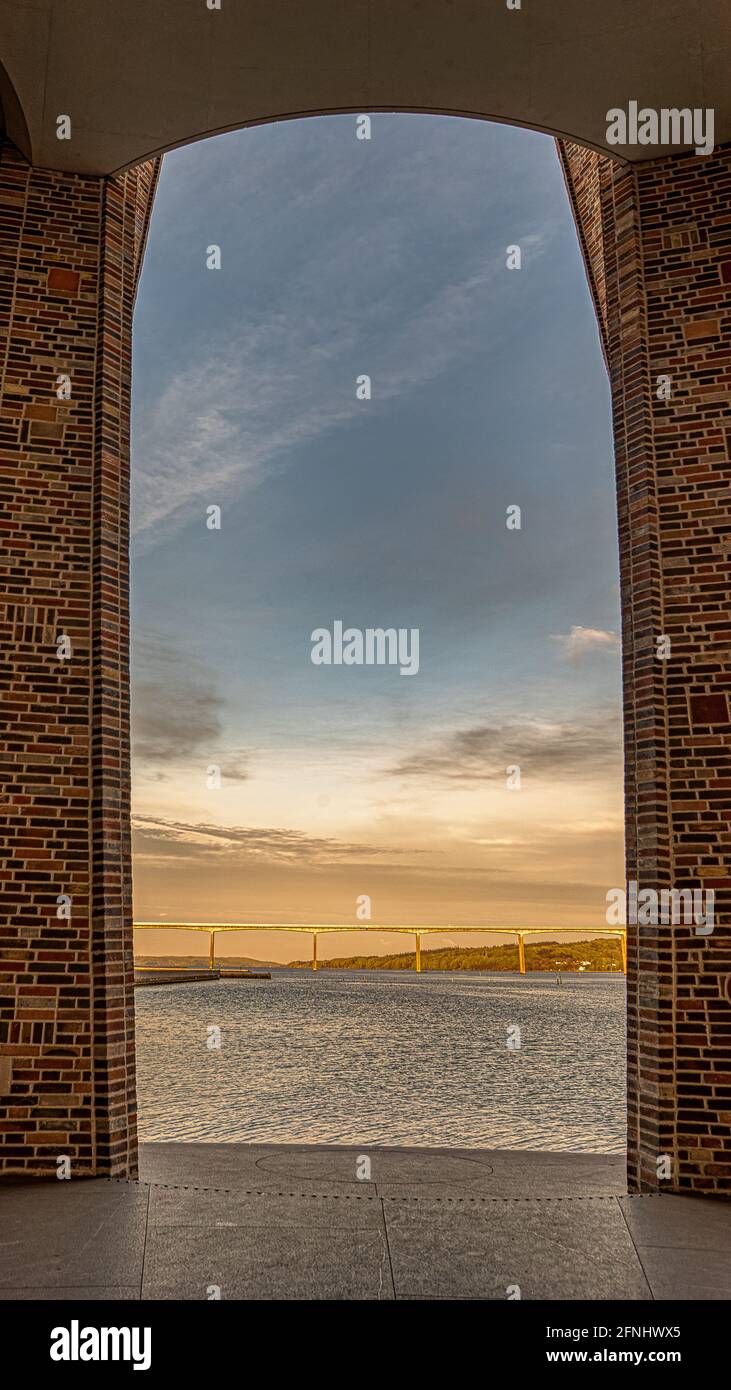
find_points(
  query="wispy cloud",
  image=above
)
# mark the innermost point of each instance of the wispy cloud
(581, 640)
(579, 748)
(155, 835)
(501, 843)
(235, 401)
(245, 401)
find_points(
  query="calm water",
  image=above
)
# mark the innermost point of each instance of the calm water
(380, 1058)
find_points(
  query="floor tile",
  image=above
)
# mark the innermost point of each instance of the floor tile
(175, 1207)
(251, 1262)
(699, 1223)
(686, 1274)
(551, 1249)
(72, 1234)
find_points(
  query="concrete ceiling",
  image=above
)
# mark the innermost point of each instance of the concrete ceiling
(140, 76)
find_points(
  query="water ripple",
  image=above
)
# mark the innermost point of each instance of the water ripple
(376, 1058)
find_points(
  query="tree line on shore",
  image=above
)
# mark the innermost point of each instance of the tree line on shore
(602, 954)
(597, 954)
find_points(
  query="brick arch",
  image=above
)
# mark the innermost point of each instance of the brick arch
(657, 245)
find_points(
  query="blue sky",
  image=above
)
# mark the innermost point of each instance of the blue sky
(341, 257)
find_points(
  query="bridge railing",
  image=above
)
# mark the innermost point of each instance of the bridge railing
(215, 929)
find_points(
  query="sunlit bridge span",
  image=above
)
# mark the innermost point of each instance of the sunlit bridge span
(214, 929)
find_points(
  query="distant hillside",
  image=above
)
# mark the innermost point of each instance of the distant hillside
(198, 962)
(598, 953)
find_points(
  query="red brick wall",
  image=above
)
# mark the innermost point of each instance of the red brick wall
(583, 171)
(70, 249)
(657, 240)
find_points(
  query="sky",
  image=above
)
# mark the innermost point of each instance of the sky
(388, 258)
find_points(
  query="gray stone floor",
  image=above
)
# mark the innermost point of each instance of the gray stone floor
(261, 1221)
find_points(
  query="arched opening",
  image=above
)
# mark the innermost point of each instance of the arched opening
(96, 96)
(371, 389)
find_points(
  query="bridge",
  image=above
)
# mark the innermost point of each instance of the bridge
(215, 929)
